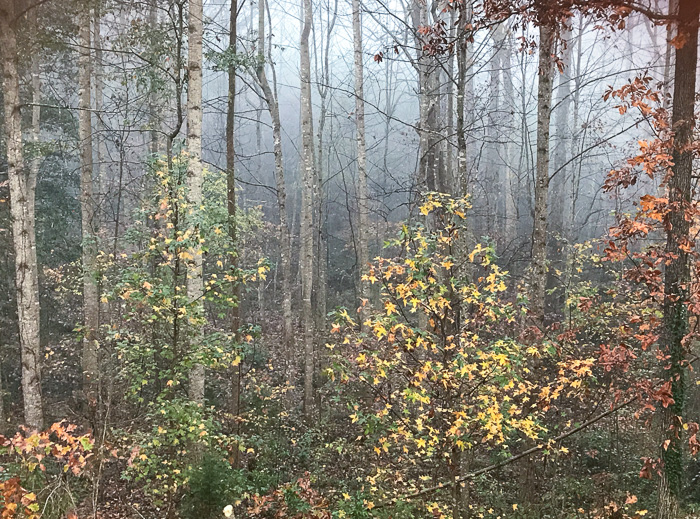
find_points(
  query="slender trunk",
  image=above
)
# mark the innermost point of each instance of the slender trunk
(285, 234)
(570, 222)
(461, 181)
(35, 132)
(22, 204)
(563, 132)
(539, 234)
(561, 205)
(677, 275)
(509, 179)
(100, 190)
(100, 134)
(363, 226)
(155, 144)
(493, 152)
(91, 300)
(307, 225)
(320, 281)
(195, 287)
(669, 54)
(235, 314)
(450, 108)
(419, 17)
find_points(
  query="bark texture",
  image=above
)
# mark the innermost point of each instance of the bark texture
(538, 275)
(195, 287)
(461, 180)
(362, 189)
(677, 274)
(22, 203)
(91, 299)
(307, 223)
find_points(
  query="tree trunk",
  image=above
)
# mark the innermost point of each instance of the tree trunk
(235, 314)
(561, 190)
(22, 203)
(419, 18)
(100, 128)
(91, 299)
(155, 144)
(285, 234)
(576, 139)
(195, 287)
(321, 278)
(362, 189)
(461, 181)
(538, 266)
(563, 132)
(669, 54)
(307, 225)
(509, 179)
(677, 273)
(493, 152)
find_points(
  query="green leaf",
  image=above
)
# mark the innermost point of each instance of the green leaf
(86, 443)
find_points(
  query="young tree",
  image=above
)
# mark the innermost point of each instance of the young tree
(195, 287)
(461, 180)
(362, 190)
(324, 88)
(270, 96)
(100, 127)
(307, 223)
(91, 298)
(235, 313)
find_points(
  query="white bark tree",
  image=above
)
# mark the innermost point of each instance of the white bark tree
(22, 183)
(195, 286)
(363, 230)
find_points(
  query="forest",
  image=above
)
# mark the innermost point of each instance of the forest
(349, 259)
